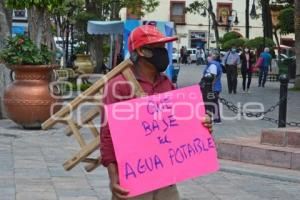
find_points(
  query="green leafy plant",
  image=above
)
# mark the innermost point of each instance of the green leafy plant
(75, 87)
(259, 43)
(231, 35)
(82, 48)
(238, 42)
(20, 50)
(286, 22)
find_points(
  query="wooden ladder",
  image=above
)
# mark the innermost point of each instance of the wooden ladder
(90, 95)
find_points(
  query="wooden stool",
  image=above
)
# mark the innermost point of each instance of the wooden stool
(90, 95)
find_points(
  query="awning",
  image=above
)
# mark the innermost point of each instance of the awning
(105, 27)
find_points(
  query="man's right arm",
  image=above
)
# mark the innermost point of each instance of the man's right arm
(115, 188)
(106, 144)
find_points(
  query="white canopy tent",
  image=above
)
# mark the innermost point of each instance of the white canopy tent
(112, 28)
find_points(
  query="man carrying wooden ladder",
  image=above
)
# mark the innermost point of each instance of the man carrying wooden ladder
(150, 58)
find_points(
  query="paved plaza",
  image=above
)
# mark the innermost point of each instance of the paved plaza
(31, 161)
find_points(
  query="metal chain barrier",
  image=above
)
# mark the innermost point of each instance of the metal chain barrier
(232, 107)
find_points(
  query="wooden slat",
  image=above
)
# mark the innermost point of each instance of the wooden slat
(90, 160)
(91, 114)
(93, 129)
(90, 167)
(88, 93)
(138, 90)
(82, 154)
(76, 133)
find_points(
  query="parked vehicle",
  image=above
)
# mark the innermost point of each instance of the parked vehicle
(192, 53)
(175, 55)
(59, 43)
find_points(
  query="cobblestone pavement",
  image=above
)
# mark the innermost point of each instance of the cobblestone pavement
(31, 169)
(31, 162)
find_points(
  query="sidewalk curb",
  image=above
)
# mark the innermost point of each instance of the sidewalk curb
(295, 178)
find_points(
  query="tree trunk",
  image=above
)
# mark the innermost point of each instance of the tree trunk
(215, 22)
(267, 19)
(247, 19)
(5, 31)
(5, 21)
(297, 42)
(96, 45)
(39, 26)
(97, 53)
(275, 33)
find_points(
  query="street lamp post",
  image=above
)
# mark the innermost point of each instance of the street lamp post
(253, 13)
(231, 19)
(203, 14)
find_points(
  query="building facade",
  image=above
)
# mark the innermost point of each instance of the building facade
(196, 29)
(20, 22)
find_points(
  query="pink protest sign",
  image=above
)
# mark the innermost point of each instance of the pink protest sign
(160, 140)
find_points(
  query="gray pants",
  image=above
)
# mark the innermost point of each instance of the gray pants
(232, 74)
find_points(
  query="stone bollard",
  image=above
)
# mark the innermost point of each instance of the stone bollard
(284, 82)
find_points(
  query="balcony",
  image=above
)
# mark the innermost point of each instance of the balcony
(178, 19)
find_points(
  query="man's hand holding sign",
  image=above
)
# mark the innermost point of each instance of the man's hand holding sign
(153, 142)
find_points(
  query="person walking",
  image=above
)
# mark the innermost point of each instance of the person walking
(188, 57)
(198, 56)
(231, 61)
(181, 54)
(150, 58)
(214, 69)
(247, 61)
(264, 67)
(203, 56)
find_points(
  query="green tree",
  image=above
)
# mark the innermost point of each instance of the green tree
(259, 43)
(229, 36)
(286, 25)
(38, 17)
(238, 42)
(64, 16)
(197, 7)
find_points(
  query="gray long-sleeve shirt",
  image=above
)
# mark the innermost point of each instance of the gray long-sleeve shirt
(233, 58)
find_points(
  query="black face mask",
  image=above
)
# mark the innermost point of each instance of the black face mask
(160, 58)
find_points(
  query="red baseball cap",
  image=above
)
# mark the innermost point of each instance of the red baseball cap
(146, 34)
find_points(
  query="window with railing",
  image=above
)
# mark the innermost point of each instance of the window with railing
(20, 14)
(177, 12)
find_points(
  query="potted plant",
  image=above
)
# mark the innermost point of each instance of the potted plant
(83, 63)
(27, 100)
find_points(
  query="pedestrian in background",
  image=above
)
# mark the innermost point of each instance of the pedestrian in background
(198, 56)
(188, 57)
(231, 61)
(247, 61)
(181, 54)
(184, 55)
(214, 69)
(265, 64)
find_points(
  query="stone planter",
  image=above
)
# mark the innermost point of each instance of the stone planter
(27, 100)
(84, 64)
